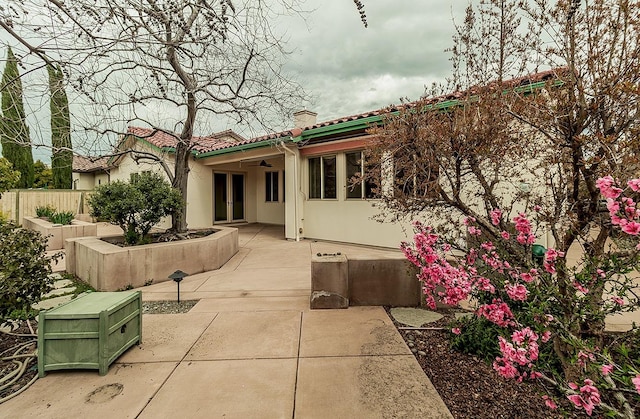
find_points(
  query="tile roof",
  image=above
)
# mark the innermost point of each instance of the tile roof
(213, 142)
(229, 139)
(87, 164)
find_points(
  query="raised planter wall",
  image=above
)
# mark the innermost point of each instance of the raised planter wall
(338, 281)
(59, 233)
(108, 267)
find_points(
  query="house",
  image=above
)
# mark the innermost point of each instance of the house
(298, 178)
(89, 172)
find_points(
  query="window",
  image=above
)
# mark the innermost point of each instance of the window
(271, 186)
(357, 187)
(322, 177)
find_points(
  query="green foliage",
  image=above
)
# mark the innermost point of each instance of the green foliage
(9, 178)
(24, 269)
(62, 159)
(136, 207)
(478, 336)
(43, 176)
(45, 211)
(14, 133)
(64, 218)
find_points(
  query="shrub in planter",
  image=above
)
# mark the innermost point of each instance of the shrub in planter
(24, 269)
(45, 211)
(137, 206)
(64, 218)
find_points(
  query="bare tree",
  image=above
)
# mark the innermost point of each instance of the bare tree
(147, 60)
(512, 137)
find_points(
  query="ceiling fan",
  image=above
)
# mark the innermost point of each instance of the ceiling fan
(263, 163)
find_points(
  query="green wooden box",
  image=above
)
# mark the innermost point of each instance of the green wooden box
(89, 332)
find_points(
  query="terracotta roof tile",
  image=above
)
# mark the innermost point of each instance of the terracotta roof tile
(86, 164)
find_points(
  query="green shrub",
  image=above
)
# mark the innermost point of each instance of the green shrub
(64, 218)
(45, 211)
(478, 336)
(136, 207)
(24, 269)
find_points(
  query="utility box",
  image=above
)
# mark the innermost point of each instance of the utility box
(89, 332)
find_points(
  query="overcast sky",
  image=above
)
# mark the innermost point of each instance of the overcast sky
(344, 68)
(348, 69)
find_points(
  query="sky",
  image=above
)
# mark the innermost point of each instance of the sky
(349, 69)
(344, 68)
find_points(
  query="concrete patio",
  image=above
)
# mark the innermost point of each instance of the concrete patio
(250, 348)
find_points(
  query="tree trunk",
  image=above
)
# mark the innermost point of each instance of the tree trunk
(179, 218)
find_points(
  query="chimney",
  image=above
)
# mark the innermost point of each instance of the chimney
(304, 118)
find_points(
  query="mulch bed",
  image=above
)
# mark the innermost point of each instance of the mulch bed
(470, 387)
(164, 237)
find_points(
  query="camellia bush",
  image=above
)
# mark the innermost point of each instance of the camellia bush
(24, 269)
(532, 320)
(136, 206)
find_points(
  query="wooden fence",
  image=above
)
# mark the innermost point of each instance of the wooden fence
(16, 204)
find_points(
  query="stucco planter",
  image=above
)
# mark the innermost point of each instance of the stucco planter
(59, 233)
(108, 267)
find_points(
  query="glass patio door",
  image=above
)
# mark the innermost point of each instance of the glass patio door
(228, 197)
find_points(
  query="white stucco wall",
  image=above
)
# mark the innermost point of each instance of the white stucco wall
(82, 181)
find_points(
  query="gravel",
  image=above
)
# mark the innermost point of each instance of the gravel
(167, 307)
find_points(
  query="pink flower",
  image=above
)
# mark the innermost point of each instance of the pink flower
(488, 246)
(455, 331)
(517, 292)
(498, 312)
(634, 184)
(632, 228)
(580, 287)
(636, 382)
(549, 267)
(588, 398)
(606, 369)
(601, 273)
(526, 277)
(537, 208)
(605, 184)
(584, 357)
(546, 335)
(468, 221)
(505, 235)
(496, 214)
(551, 404)
(619, 301)
(474, 231)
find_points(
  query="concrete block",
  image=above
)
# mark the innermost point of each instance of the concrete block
(378, 281)
(329, 281)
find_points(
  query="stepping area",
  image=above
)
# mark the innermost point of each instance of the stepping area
(250, 348)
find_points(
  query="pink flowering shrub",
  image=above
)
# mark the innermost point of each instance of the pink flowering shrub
(523, 302)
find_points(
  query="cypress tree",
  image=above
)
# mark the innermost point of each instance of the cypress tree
(62, 158)
(14, 133)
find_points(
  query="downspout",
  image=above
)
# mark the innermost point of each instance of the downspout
(296, 187)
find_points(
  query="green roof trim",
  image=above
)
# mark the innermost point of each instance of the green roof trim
(364, 123)
(242, 147)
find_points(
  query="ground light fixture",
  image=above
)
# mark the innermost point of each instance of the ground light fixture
(177, 276)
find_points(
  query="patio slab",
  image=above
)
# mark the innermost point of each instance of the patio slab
(366, 387)
(215, 305)
(351, 332)
(249, 335)
(122, 393)
(227, 389)
(167, 337)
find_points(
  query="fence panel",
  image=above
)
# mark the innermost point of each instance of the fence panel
(17, 204)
